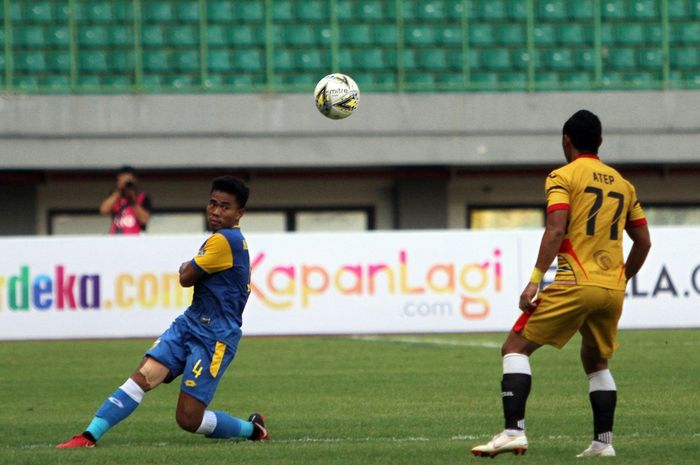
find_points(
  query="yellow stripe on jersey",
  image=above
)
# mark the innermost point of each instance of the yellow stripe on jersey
(217, 358)
(215, 255)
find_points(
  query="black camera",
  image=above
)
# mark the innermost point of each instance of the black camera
(129, 185)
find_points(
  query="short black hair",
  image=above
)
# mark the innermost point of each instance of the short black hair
(584, 130)
(127, 169)
(233, 186)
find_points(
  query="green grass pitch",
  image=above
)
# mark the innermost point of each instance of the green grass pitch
(355, 400)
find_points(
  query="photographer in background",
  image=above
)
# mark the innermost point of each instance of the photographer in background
(129, 208)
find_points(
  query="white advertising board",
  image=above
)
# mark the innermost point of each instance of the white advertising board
(380, 282)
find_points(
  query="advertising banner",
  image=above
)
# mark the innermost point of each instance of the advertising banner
(325, 283)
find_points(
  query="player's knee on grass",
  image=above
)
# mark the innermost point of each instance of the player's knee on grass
(188, 419)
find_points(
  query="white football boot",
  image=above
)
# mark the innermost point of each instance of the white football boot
(598, 449)
(502, 443)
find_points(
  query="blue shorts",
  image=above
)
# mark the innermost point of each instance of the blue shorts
(200, 360)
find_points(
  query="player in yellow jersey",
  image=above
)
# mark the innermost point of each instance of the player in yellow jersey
(589, 204)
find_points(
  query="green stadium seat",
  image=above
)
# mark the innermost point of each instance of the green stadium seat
(653, 33)
(449, 35)
(585, 58)
(684, 57)
(492, 10)
(218, 60)
(512, 34)
(455, 10)
(513, 81)
(496, 59)
(182, 36)
(186, 60)
(408, 11)
(85, 80)
(384, 34)
(384, 78)
(179, 81)
(295, 34)
(220, 11)
(343, 10)
(372, 58)
(282, 10)
(578, 79)
(574, 34)
(687, 33)
(544, 34)
(216, 35)
(93, 61)
(485, 80)
(456, 60)
(452, 80)
(58, 36)
(651, 58)
(249, 11)
(621, 58)
(323, 35)
(356, 34)
(644, 9)
(547, 80)
(300, 80)
(152, 81)
(408, 56)
(312, 60)
(36, 12)
(481, 34)
(283, 60)
(244, 81)
(213, 80)
(370, 10)
(56, 82)
(242, 34)
(120, 36)
(431, 10)
(551, 10)
(432, 59)
(677, 9)
(613, 9)
(187, 11)
(152, 35)
(558, 59)
(27, 83)
(520, 58)
(155, 60)
(517, 9)
(629, 34)
(92, 36)
(692, 79)
(312, 10)
(607, 33)
(33, 62)
(345, 57)
(121, 61)
(251, 60)
(58, 61)
(29, 37)
(420, 80)
(158, 11)
(123, 10)
(419, 35)
(581, 9)
(118, 81)
(99, 12)
(641, 80)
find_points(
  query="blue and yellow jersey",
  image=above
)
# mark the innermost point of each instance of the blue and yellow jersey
(221, 294)
(601, 204)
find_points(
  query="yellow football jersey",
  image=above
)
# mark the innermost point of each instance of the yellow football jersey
(601, 205)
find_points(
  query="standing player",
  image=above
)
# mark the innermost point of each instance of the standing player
(200, 344)
(588, 206)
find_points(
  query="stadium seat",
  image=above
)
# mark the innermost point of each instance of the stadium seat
(653, 33)
(481, 34)
(585, 58)
(644, 9)
(408, 10)
(496, 59)
(621, 58)
(484, 80)
(512, 34)
(33, 62)
(456, 60)
(58, 61)
(491, 10)
(581, 9)
(121, 61)
(29, 37)
(36, 12)
(695, 8)
(371, 10)
(99, 12)
(58, 36)
(178, 81)
(356, 34)
(384, 34)
(544, 34)
(187, 11)
(551, 10)
(182, 36)
(92, 36)
(578, 79)
(186, 60)
(158, 11)
(118, 81)
(282, 10)
(219, 11)
(558, 59)
(123, 10)
(27, 83)
(521, 58)
(629, 34)
(155, 60)
(120, 36)
(384, 78)
(677, 9)
(613, 9)
(87, 81)
(687, 33)
(547, 80)
(92, 62)
(295, 34)
(218, 60)
(419, 35)
(251, 60)
(607, 33)
(517, 9)
(431, 10)
(152, 81)
(56, 82)
(242, 34)
(455, 10)
(249, 11)
(651, 58)
(283, 60)
(420, 80)
(216, 35)
(372, 58)
(432, 59)
(152, 35)
(448, 35)
(574, 34)
(641, 80)
(312, 10)
(684, 57)
(312, 60)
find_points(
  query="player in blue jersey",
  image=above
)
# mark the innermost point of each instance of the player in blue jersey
(201, 343)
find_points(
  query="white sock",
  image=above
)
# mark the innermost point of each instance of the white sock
(516, 363)
(208, 423)
(601, 381)
(132, 390)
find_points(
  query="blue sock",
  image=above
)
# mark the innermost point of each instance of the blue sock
(117, 407)
(230, 427)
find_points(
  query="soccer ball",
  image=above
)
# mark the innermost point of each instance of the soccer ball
(336, 96)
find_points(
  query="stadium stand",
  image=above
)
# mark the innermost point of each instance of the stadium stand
(281, 45)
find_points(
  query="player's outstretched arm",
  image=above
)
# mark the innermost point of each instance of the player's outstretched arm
(188, 275)
(640, 249)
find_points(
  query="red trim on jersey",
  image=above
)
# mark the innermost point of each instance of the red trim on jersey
(557, 206)
(587, 155)
(567, 248)
(522, 320)
(636, 223)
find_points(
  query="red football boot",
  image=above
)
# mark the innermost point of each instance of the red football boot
(76, 441)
